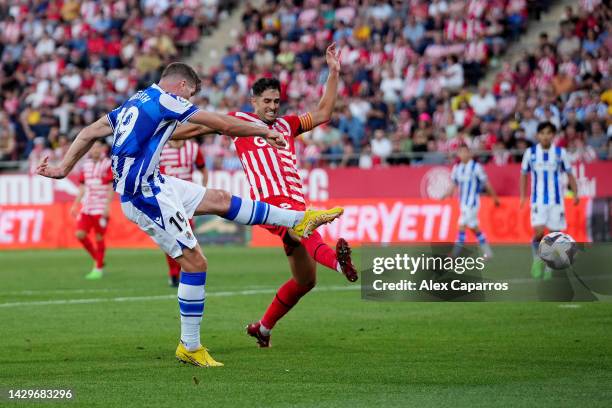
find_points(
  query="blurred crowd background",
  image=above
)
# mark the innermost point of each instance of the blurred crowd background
(409, 92)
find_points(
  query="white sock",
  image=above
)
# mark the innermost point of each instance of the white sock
(249, 212)
(191, 297)
(338, 267)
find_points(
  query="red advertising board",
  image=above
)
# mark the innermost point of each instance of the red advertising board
(387, 204)
(400, 220)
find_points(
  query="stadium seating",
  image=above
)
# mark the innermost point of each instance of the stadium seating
(409, 92)
(63, 63)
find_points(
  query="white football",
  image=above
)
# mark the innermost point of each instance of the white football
(558, 250)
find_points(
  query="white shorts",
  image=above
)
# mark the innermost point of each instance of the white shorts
(165, 216)
(469, 217)
(552, 216)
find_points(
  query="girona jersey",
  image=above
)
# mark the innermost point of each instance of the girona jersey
(141, 127)
(95, 176)
(271, 172)
(181, 162)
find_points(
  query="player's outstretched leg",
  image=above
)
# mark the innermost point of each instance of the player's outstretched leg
(304, 277)
(249, 212)
(338, 260)
(191, 298)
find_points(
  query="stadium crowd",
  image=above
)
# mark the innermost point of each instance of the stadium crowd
(64, 62)
(409, 91)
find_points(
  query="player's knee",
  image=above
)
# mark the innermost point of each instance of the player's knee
(80, 235)
(193, 260)
(218, 201)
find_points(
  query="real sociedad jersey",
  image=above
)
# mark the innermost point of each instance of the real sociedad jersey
(470, 178)
(545, 167)
(141, 127)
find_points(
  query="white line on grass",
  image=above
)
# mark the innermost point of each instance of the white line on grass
(163, 297)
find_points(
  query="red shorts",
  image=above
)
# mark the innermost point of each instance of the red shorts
(290, 204)
(87, 222)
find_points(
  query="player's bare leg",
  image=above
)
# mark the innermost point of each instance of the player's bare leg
(191, 297)
(248, 212)
(304, 278)
(537, 266)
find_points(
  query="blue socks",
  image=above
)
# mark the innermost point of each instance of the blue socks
(191, 297)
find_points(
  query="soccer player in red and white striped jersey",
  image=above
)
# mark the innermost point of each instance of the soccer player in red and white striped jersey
(274, 179)
(181, 158)
(94, 198)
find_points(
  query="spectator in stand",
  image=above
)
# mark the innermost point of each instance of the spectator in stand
(483, 102)
(597, 139)
(8, 145)
(381, 146)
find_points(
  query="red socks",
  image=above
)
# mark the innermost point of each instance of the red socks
(97, 254)
(100, 254)
(320, 251)
(86, 242)
(174, 268)
(287, 296)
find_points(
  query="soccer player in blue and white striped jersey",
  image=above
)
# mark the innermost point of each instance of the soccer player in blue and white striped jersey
(546, 163)
(470, 178)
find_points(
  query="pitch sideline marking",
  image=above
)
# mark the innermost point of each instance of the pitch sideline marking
(163, 297)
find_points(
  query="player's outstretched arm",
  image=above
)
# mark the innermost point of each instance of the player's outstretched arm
(328, 101)
(81, 145)
(489, 188)
(573, 185)
(191, 130)
(231, 126)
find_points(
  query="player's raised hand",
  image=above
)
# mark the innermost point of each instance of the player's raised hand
(332, 56)
(275, 139)
(45, 170)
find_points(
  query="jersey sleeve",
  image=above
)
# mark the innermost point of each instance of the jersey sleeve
(174, 107)
(480, 174)
(200, 163)
(566, 166)
(112, 118)
(526, 163)
(295, 124)
(454, 175)
(108, 176)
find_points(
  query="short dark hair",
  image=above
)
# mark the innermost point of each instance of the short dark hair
(262, 84)
(547, 124)
(184, 71)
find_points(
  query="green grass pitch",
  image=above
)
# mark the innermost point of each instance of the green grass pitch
(116, 347)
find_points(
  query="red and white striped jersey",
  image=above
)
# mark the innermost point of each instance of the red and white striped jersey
(96, 177)
(271, 172)
(181, 162)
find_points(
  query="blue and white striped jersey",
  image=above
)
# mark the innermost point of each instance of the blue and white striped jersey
(545, 167)
(470, 178)
(141, 127)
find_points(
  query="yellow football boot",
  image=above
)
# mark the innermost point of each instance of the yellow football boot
(314, 219)
(198, 358)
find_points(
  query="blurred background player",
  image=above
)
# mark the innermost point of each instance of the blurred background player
(94, 198)
(470, 178)
(545, 163)
(181, 158)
